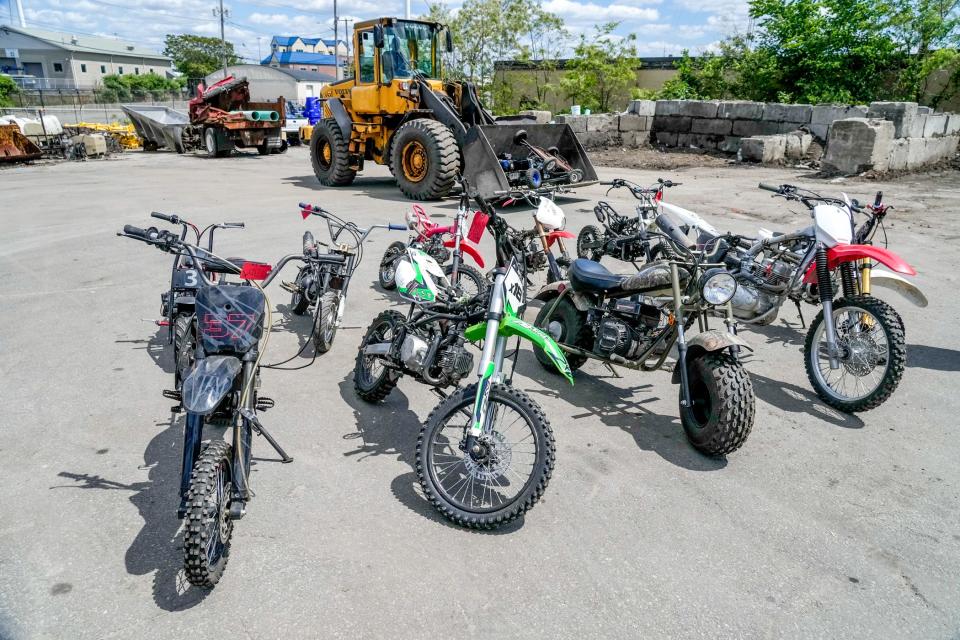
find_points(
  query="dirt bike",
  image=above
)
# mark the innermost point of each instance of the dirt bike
(855, 350)
(177, 304)
(634, 320)
(441, 242)
(622, 237)
(324, 278)
(221, 389)
(477, 466)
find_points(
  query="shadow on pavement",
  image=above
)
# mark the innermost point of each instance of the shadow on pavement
(789, 397)
(157, 347)
(921, 356)
(158, 546)
(391, 429)
(624, 409)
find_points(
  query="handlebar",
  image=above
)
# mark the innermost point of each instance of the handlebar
(396, 227)
(769, 187)
(232, 225)
(162, 216)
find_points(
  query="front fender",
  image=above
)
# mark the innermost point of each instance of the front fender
(208, 381)
(707, 342)
(468, 249)
(339, 113)
(850, 252)
(554, 235)
(888, 280)
(511, 326)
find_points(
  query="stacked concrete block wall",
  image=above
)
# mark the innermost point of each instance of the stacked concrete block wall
(629, 129)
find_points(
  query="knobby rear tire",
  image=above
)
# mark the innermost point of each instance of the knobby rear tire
(372, 388)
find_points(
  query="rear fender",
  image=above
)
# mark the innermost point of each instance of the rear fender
(468, 249)
(562, 288)
(850, 252)
(554, 235)
(888, 280)
(707, 342)
(209, 380)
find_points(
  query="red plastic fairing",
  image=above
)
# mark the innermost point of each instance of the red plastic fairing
(553, 235)
(467, 248)
(255, 271)
(849, 252)
(435, 229)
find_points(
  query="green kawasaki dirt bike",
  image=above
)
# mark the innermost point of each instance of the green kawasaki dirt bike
(486, 453)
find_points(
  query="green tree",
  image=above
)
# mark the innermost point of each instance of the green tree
(197, 56)
(544, 39)
(8, 89)
(116, 88)
(928, 34)
(604, 67)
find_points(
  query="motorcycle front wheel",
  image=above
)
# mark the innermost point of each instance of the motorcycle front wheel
(505, 477)
(873, 354)
(388, 265)
(208, 528)
(589, 235)
(721, 415)
(470, 281)
(326, 321)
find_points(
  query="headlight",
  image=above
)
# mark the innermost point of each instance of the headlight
(717, 287)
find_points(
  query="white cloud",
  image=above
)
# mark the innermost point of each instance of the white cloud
(592, 13)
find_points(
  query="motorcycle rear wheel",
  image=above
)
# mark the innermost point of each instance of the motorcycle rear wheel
(299, 302)
(388, 265)
(589, 234)
(870, 335)
(371, 379)
(567, 326)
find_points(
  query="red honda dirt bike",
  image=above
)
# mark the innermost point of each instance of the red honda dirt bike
(442, 243)
(547, 232)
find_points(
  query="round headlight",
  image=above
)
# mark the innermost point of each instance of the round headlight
(717, 287)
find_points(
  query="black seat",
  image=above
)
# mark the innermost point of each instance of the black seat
(589, 276)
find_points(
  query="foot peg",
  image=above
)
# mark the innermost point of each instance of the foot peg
(290, 286)
(172, 394)
(264, 403)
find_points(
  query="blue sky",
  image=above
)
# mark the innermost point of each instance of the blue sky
(662, 26)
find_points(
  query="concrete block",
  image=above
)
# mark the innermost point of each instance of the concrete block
(673, 124)
(827, 113)
(924, 110)
(935, 126)
(953, 124)
(740, 110)
(665, 138)
(750, 128)
(787, 112)
(797, 144)
(902, 114)
(577, 123)
(767, 149)
(603, 122)
(698, 141)
(713, 126)
(667, 108)
(856, 145)
(635, 139)
(599, 139)
(730, 144)
(699, 108)
(630, 122)
(542, 117)
(899, 152)
(820, 131)
(642, 107)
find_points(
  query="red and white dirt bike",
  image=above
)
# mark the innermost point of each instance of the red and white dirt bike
(855, 351)
(440, 242)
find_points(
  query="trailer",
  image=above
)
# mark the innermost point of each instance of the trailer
(161, 127)
(226, 118)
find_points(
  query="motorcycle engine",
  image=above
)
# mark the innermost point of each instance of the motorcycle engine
(628, 329)
(456, 362)
(758, 283)
(413, 352)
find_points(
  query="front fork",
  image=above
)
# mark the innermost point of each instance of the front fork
(491, 365)
(685, 400)
(825, 285)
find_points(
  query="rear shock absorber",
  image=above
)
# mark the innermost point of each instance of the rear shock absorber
(825, 285)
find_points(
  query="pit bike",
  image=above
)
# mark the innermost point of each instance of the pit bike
(623, 237)
(177, 304)
(486, 452)
(855, 351)
(323, 280)
(442, 243)
(634, 320)
(221, 389)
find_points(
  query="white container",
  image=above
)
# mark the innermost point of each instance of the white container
(575, 110)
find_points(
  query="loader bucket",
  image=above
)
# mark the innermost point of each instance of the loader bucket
(16, 147)
(484, 143)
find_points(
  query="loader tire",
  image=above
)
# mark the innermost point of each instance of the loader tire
(330, 155)
(425, 159)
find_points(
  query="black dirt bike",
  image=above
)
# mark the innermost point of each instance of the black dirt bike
(622, 237)
(221, 389)
(324, 278)
(177, 304)
(634, 320)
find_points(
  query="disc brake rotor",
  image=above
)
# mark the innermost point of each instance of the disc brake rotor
(496, 461)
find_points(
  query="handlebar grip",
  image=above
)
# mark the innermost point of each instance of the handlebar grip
(606, 184)
(769, 187)
(397, 227)
(165, 217)
(233, 225)
(879, 199)
(136, 232)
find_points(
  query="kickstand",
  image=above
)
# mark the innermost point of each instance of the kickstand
(803, 323)
(260, 430)
(612, 370)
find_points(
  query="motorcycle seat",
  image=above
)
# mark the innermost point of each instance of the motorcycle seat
(589, 276)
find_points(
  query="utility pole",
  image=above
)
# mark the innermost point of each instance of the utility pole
(23, 21)
(259, 55)
(346, 36)
(336, 36)
(407, 11)
(222, 13)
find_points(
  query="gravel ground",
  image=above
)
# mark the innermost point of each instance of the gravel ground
(823, 526)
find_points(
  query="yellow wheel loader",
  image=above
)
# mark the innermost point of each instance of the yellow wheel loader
(396, 111)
